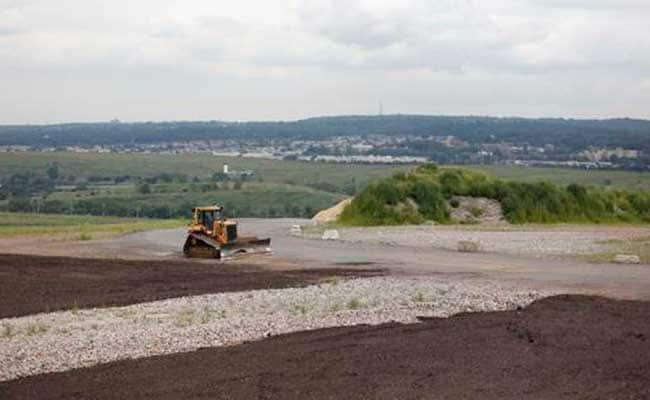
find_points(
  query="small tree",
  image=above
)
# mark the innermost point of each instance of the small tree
(53, 172)
(219, 177)
(144, 188)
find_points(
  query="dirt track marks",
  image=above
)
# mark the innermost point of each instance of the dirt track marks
(33, 284)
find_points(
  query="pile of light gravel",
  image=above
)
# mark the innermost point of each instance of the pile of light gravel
(71, 339)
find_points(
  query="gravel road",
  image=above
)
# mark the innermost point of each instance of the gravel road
(511, 241)
(65, 340)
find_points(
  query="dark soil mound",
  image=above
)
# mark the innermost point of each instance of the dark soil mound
(566, 347)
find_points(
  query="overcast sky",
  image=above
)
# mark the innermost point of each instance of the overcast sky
(140, 60)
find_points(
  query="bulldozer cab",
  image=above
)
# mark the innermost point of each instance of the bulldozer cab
(207, 217)
(211, 221)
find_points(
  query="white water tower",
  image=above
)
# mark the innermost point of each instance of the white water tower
(225, 169)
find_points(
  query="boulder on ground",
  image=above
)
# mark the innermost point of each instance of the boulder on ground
(295, 230)
(331, 234)
(627, 259)
(468, 246)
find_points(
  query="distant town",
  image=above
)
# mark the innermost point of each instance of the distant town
(378, 149)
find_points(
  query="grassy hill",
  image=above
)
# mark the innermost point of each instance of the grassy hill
(426, 194)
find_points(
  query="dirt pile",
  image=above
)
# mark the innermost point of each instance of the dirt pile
(331, 214)
(563, 347)
(32, 284)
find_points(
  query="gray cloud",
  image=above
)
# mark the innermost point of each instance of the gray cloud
(163, 59)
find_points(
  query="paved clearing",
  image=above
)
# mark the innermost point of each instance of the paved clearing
(32, 284)
(543, 270)
(563, 347)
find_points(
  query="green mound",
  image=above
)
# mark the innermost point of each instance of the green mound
(423, 195)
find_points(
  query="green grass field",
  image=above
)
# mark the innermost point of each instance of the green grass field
(78, 227)
(564, 176)
(145, 165)
(254, 199)
(299, 173)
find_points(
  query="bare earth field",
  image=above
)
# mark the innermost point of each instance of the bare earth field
(36, 284)
(381, 313)
(564, 347)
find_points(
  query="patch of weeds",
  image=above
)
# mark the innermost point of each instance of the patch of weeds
(85, 236)
(125, 314)
(335, 307)
(300, 309)
(418, 298)
(332, 280)
(35, 329)
(74, 309)
(207, 314)
(354, 304)
(7, 331)
(477, 212)
(184, 318)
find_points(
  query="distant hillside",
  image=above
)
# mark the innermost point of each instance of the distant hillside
(427, 194)
(568, 133)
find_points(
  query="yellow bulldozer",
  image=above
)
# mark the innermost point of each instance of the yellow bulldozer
(211, 235)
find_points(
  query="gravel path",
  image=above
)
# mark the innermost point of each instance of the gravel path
(533, 241)
(71, 339)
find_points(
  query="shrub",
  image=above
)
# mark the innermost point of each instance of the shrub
(354, 304)
(85, 236)
(143, 188)
(427, 169)
(419, 196)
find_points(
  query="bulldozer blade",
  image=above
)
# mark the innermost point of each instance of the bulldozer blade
(202, 246)
(246, 246)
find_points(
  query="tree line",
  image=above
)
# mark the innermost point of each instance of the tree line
(570, 134)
